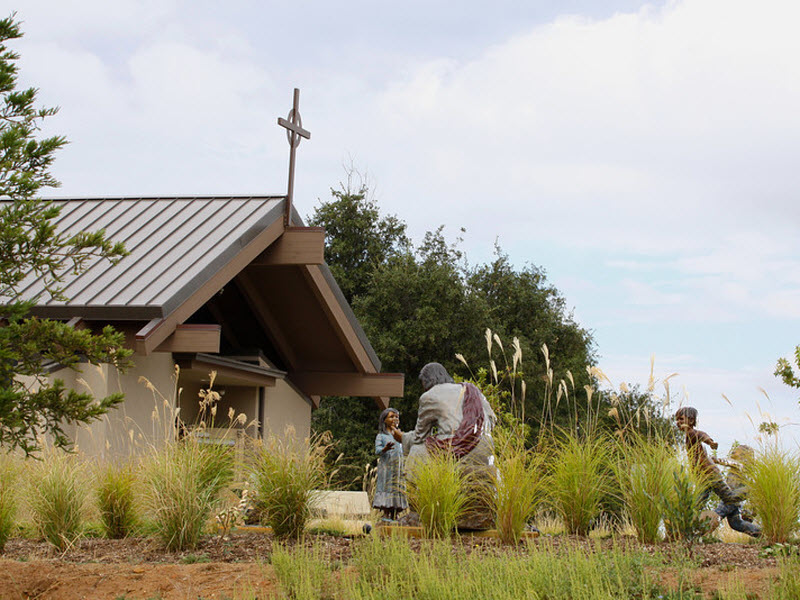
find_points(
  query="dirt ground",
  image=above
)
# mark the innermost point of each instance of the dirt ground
(136, 568)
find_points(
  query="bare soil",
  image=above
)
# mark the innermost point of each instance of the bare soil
(136, 568)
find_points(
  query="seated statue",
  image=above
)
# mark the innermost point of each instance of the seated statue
(454, 417)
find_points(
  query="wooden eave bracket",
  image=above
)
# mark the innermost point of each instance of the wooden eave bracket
(297, 246)
(375, 385)
(185, 338)
(192, 338)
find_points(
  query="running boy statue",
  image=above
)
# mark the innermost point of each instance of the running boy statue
(686, 419)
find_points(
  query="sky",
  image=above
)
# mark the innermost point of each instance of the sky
(639, 152)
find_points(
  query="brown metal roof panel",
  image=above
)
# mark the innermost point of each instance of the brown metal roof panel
(149, 227)
(233, 230)
(191, 244)
(268, 213)
(117, 284)
(119, 231)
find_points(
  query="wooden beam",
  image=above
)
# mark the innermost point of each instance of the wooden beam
(349, 384)
(341, 324)
(297, 246)
(192, 338)
(158, 330)
(225, 373)
(267, 320)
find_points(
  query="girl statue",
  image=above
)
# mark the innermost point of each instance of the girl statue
(390, 494)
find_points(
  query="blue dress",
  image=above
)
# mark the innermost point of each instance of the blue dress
(389, 485)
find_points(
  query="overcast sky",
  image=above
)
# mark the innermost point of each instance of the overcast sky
(643, 154)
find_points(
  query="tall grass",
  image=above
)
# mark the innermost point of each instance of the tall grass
(185, 480)
(644, 469)
(57, 497)
(9, 502)
(440, 491)
(116, 484)
(579, 478)
(518, 490)
(284, 473)
(773, 477)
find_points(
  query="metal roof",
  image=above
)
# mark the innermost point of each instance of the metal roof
(174, 244)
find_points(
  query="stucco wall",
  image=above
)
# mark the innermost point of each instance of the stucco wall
(144, 418)
(286, 407)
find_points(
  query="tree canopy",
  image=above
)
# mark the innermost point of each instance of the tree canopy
(30, 246)
(425, 303)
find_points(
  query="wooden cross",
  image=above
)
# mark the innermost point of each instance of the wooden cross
(294, 131)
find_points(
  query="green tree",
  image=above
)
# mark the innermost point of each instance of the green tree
(425, 304)
(30, 405)
(784, 370)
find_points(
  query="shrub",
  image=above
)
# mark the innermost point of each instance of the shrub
(184, 484)
(284, 473)
(578, 479)
(58, 496)
(440, 491)
(682, 504)
(773, 477)
(115, 500)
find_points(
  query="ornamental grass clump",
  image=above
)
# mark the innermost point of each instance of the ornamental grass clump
(440, 492)
(579, 479)
(57, 497)
(285, 471)
(9, 475)
(116, 501)
(773, 478)
(184, 483)
(518, 491)
(644, 469)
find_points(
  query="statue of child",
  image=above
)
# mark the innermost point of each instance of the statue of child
(390, 494)
(686, 420)
(737, 459)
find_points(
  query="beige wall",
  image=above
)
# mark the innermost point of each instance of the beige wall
(148, 414)
(144, 418)
(286, 407)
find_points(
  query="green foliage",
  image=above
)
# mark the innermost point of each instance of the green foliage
(578, 478)
(682, 505)
(30, 245)
(389, 567)
(116, 500)
(58, 492)
(184, 483)
(644, 469)
(519, 489)
(439, 490)
(9, 502)
(425, 303)
(285, 472)
(784, 370)
(303, 572)
(773, 479)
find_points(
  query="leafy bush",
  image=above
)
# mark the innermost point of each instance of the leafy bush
(682, 505)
